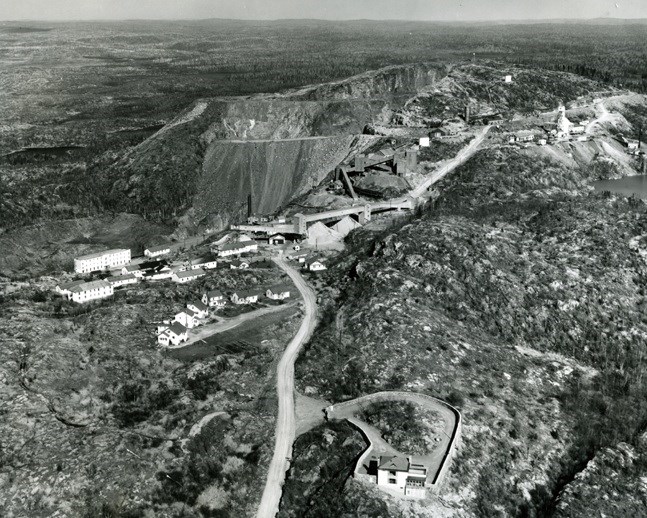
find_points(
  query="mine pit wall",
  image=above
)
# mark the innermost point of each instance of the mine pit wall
(273, 172)
(434, 487)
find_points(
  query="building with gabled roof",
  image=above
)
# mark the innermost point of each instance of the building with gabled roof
(314, 265)
(92, 290)
(245, 296)
(122, 280)
(175, 334)
(102, 260)
(279, 292)
(158, 250)
(236, 248)
(214, 298)
(188, 275)
(188, 318)
(64, 288)
(401, 474)
(200, 309)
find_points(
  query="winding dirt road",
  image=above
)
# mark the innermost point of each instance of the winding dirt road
(286, 422)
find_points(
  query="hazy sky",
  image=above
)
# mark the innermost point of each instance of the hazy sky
(464, 10)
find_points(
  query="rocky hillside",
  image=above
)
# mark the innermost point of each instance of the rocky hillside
(520, 299)
(219, 150)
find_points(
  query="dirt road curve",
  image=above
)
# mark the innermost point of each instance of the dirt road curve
(285, 424)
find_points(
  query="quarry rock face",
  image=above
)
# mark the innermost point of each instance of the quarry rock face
(272, 146)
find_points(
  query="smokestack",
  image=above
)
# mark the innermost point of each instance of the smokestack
(249, 205)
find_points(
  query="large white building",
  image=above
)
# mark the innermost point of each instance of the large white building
(88, 291)
(102, 260)
(156, 251)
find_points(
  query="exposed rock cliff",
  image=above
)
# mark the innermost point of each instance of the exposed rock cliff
(220, 150)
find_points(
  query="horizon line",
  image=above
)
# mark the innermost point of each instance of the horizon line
(406, 20)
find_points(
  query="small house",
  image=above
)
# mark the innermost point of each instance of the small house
(157, 251)
(578, 130)
(175, 334)
(200, 309)
(507, 79)
(214, 298)
(278, 292)
(276, 239)
(238, 265)
(632, 144)
(188, 275)
(187, 318)
(314, 265)
(400, 474)
(245, 297)
(423, 142)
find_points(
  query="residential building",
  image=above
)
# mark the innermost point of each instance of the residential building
(64, 289)
(214, 298)
(206, 263)
(314, 265)
(188, 275)
(399, 473)
(92, 290)
(578, 130)
(123, 280)
(187, 318)
(238, 265)
(507, 79)
(236, 248)
(200, 309)
(423, 142)
(542, 142)
(157, 251)
(102, 260)
(245, 297)
(175, 334)
(278, 292)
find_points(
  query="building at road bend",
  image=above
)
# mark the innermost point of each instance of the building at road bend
(102, 260)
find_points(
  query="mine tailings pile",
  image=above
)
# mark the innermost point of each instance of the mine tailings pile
(274, 147)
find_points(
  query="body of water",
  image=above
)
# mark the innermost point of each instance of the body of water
(626, 186)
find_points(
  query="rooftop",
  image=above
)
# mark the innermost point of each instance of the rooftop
(201, 306)
(101, 254)
(214, 294)
(177, 328)
(190, 273)
(394, 463)
(159, 248)
(280, 288)
(87, 286)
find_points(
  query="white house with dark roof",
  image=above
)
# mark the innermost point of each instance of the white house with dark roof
(314, 265)
(102, 260)
(123, 280)
(245, 297)
(175, 334)
(400, 474)
(158, 250)
(88, 291)
(214, 298)
(188, 318)
(188, 275)
(200, 309)
(278, 292)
